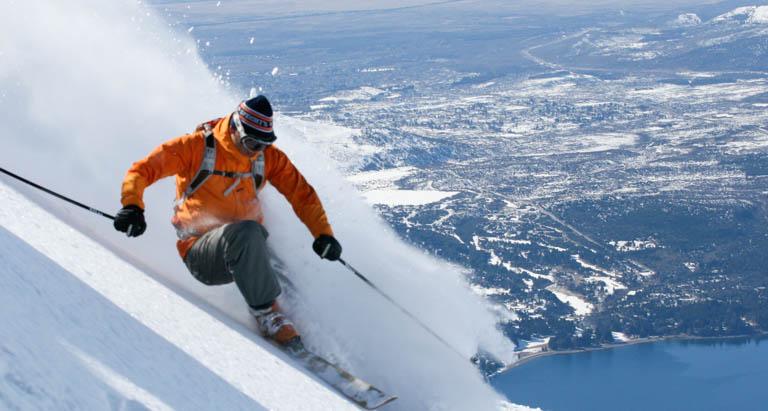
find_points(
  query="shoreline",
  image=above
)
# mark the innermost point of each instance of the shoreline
(680, 337)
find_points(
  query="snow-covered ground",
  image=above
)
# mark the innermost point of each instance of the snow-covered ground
(579, 304)
(378, 187)
(363, 93)
(632, 245)
(394, 198)
(84, 329)
(106, 83)
(534, 346)
(687, 20)
(620, 337)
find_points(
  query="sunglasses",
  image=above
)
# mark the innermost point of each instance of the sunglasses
(248, 141)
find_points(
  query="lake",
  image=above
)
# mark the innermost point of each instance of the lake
(666, 375)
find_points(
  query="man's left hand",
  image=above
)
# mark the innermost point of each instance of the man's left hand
(327, 247)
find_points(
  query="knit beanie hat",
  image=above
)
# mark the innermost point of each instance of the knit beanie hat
(256, 116)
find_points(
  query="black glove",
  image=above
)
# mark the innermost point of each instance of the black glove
(130, 220)
(327, 247)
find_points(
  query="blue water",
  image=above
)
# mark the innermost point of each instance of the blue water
(667, 375)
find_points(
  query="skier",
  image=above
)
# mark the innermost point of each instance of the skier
(220, 170)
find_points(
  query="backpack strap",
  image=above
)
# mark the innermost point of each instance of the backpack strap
(257, 171)
(208, 164)
(207, 168)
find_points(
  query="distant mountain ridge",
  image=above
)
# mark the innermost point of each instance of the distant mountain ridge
(744, 15)
(734, 40)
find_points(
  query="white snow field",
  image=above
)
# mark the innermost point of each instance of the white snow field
(92, 86)
(83, 329)
(378, 187)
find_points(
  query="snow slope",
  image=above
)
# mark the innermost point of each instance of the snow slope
(83, 329)
(109, 81)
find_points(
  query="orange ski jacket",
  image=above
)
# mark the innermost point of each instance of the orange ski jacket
(212, 205)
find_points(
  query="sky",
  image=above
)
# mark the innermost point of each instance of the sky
(87, 87)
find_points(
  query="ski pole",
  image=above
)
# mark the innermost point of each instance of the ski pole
(406, 312)
(55, 194)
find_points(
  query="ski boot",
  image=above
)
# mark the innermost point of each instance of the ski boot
(273, 324)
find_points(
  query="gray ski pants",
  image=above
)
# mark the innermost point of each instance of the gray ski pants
(236, 252)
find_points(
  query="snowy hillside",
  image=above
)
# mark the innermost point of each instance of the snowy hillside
(83, 329)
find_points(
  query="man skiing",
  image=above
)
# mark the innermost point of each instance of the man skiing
(220, 170)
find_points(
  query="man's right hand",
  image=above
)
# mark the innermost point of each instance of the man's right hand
(130, 220)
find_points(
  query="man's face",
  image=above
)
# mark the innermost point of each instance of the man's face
(247, 144)
(244, 146)
(252, 143)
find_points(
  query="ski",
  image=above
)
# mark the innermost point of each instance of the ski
(353, 388)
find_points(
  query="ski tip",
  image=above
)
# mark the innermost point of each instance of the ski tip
(379, 404)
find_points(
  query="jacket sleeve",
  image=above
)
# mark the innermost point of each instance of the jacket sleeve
(284, 176)
(171, 158)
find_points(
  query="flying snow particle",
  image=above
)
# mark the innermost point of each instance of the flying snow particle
(253, 39)
(275, 71)
(190, 29)
(253, 92)
(218, 4)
